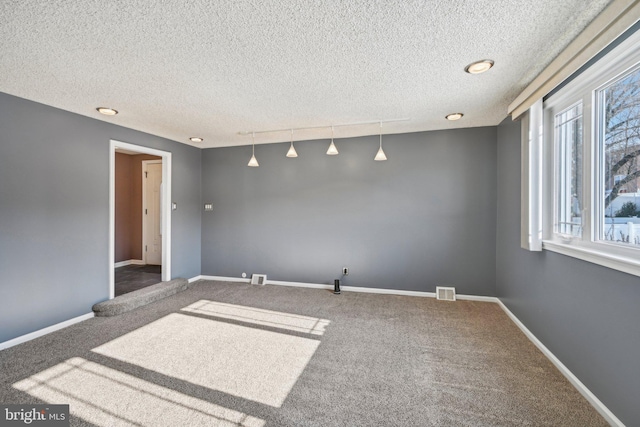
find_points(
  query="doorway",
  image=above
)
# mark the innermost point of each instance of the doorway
(140, 217)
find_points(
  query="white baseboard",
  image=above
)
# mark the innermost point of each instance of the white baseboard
(129, 262)
(45, 331)
(194, 279)
(591, 398)
(225, 279)
(350, 288)
(476, 298)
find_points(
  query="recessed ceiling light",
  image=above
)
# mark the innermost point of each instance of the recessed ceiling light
(479, 66)
(107, 111)
(196, 139)
(454, 116)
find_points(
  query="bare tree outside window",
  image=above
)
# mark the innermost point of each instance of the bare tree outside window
(620, 139)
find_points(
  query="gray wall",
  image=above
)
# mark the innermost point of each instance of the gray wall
(54, 210)
(423, 218)
(587, 315)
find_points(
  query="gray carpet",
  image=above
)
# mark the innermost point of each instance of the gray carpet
(234, 354)
(138, 298)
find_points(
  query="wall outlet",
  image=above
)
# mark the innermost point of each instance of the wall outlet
(345, 271)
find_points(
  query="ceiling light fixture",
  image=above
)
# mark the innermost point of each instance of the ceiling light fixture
(253, 162)
(380, 156)
(107, 111)
(454, 116)
(196, 139)
(292, 151)
(479, 67)
(332, 151)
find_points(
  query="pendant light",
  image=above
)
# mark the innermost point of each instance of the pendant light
(380, 156)
(332, 151)
(292, 151)
(253, 162)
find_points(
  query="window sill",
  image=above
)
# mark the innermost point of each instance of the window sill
(626, 264)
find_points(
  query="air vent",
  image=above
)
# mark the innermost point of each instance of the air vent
(446, 293)
(258, 279)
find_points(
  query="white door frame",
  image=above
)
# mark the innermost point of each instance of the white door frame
(144, 201)
(165, 208)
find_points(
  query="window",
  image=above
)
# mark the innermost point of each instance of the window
(591, 162)
(619, 149)
(568, 177)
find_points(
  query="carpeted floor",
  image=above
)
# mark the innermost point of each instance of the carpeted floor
(234, 354)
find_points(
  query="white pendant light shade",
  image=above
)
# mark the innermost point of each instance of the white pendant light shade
(380, 156)
(292, 151)
(332, 151)
(253, 162)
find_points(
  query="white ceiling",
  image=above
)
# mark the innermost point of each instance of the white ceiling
(216, 68)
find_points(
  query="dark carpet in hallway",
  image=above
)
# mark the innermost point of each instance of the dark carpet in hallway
(133, 277)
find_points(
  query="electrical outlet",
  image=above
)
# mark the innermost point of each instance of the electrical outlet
(345, 271)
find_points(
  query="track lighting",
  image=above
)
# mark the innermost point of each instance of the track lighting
(292, 151)
(380, 156)
(253, 162)
(332, 151)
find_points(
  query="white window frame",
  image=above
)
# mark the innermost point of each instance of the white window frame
(621, 60)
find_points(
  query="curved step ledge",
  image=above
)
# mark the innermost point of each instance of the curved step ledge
(135, 299)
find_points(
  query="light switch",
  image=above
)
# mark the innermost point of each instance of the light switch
(208, 206)
(174, 206)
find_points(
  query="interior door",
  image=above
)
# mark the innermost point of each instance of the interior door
(151, 214)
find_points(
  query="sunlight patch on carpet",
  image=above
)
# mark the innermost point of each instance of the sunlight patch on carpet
(246, 362)
(107, 397)
(257, 316)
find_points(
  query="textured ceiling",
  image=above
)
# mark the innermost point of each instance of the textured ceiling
(215, 68)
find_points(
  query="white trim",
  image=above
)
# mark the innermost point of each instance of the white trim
(591, 398)
(166, 207)
(145, 163)
(605, 259)
(479, 298)
(129, 262)
(531, 179)
(224, 279)
(348, 288)
(44, 331)
(194, 279)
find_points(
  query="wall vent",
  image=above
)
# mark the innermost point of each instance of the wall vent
(446, 293)
(258, 279)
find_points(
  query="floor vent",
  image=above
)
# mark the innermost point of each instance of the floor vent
(258, 279)
(446, 293)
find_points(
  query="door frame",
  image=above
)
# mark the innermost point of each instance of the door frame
(144, 205)
(165, 209)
